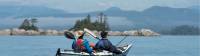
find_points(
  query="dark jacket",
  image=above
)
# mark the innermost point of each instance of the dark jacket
(105, 44)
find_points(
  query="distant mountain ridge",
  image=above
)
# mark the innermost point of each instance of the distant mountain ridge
(28, 11)
(153, 17)
(39, 11)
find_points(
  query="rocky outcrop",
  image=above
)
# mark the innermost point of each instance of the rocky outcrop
(142, 32)
(148, 32)
(5, 32)
(23, 32)
(115, 33)
(49, 32)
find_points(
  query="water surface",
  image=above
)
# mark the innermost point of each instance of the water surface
(143, 46)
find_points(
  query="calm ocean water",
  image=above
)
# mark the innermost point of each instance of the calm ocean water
(143, 46)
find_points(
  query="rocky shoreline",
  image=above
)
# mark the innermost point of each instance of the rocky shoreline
(50, 32)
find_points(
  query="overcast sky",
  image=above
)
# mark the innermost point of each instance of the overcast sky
(79, 6)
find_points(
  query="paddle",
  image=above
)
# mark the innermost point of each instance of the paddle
(69, 35)
(91, 33)
(121, 40)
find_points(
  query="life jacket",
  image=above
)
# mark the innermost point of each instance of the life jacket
(80, 44)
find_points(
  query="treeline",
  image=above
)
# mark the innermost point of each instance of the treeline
(99, 25)
(183, 30)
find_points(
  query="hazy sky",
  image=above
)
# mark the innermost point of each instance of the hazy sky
(79, 6)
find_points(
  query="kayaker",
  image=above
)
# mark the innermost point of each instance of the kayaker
(83, 45)
(105, 44)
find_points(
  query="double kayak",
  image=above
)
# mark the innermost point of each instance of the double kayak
(65, 52)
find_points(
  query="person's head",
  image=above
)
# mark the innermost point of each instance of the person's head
(80, 35)
(104, 34)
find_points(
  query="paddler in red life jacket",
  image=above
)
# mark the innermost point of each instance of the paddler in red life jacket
(83, 45)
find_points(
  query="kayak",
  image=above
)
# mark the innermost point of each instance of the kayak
(65, 52)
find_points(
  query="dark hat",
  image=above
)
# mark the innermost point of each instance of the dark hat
(69, 35)
(104, 34)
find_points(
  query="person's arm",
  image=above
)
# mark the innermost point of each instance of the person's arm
(74, 44)
(99, 45)
(87, 46)
(113, 48)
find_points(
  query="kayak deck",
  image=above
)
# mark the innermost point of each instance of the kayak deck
(64, 52)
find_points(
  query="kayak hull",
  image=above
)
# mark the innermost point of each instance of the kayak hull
(64, 52)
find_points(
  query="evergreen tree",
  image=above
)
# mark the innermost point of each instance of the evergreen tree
(34, 21)
(25, 25)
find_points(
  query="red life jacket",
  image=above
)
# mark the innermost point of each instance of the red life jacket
(79, 43)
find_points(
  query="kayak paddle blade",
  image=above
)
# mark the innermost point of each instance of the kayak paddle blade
(69, 35)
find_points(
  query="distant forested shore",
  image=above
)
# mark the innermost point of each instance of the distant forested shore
(182, 30)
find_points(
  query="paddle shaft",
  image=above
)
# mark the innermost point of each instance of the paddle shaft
(121, 40)
(91, 33)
